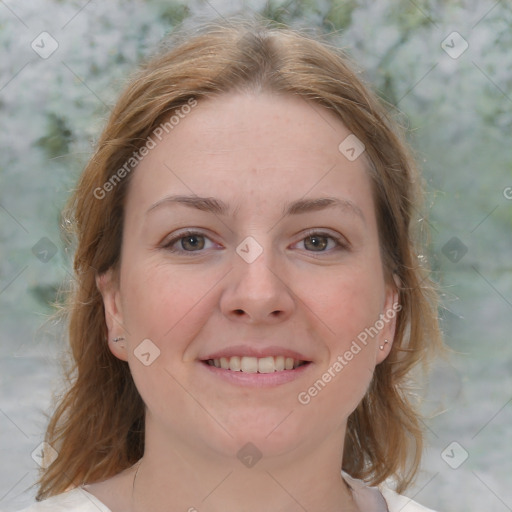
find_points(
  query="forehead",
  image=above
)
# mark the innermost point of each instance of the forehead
(273, 148)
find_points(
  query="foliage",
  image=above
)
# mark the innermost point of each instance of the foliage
(458, 112)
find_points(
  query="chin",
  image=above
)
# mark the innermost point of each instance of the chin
(267, 431)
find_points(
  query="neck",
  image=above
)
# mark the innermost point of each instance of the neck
(174, 475)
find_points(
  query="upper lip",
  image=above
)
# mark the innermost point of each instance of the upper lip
(253, 351)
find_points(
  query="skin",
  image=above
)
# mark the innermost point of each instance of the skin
(256, 152)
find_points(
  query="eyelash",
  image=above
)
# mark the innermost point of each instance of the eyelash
(341, 243)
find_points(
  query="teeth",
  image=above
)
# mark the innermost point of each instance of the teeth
(249, 364)
(256, 365)
(266, 365)
(234, 364)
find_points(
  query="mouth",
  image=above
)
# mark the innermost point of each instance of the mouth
(247, 364)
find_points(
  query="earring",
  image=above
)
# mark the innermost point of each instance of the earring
(385, 343)
(115, 340)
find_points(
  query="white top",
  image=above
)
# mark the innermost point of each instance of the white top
(368, 499)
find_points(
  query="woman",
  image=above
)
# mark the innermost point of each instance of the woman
(249, 299)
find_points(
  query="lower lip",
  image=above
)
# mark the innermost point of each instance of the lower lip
(257, 379)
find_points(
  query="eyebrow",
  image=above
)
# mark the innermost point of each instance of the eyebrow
(218, 207)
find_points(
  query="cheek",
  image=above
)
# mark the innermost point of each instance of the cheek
(347, 301)
(348, 305)
(160, 299)
(167, 306)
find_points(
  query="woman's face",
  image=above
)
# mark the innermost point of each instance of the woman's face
(250, 239)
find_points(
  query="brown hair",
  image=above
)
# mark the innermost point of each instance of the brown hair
(98, 425)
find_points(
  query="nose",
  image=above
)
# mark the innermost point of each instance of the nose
(257, 292)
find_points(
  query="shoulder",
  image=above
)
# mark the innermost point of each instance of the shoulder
(75, 500)
(398, 503)
(381, 498)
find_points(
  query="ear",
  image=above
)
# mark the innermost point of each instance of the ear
(388, 317)
(108, 285)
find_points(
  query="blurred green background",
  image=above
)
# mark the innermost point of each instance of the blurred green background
(447, 68)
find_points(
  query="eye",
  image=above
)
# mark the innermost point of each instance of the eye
(318, 241)
(187, 241)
